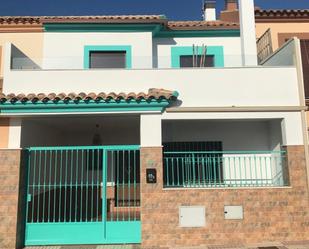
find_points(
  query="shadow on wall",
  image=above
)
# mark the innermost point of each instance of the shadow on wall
(284, 56)
(19, 60)
(156, 43)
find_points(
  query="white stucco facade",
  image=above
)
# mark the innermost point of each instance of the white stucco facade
(231, 47)
(66, 50)
(230, 86)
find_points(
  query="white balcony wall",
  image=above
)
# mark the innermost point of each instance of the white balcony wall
(231, 47)
(66, 50)
(197, 87)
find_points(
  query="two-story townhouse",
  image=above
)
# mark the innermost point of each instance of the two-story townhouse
(141, 130)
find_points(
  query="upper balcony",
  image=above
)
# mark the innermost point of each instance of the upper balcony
(274, 84)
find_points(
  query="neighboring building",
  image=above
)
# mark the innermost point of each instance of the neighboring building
(141, 130)
(274, 28)
(25, 33)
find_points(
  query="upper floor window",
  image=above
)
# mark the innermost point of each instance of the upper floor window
(107, 59)
(107, 56)
(197, 61)
(189, 56)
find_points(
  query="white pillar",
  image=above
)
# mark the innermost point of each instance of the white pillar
(247, 31)
(151, 130)
(15, 133)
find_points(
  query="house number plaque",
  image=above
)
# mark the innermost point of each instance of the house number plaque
(151, 175)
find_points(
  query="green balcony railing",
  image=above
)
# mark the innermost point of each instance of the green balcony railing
(224, 169)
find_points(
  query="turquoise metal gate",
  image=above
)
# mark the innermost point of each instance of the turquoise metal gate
(83, 195)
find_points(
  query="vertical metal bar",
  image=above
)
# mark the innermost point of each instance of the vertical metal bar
(98, 184)
(240, 170)
(104, 205)
(193, 165)
(203, 171)
(266, 175)
(245, 169)
(65, 185)
(60, 186)
(44, 176)
(76, 184)
(123, 182)
(214, 157)
(219, 163)
(261, 171)
(198, 170)
(118, 175)
(28, 165)
(87, 184)
(183, 171)
(251, 169)
(71, 184)
(186, 161)
(173, 173)
(33, 188)
(129, 182)
(113, 186)
(235, 169)
(134, 170)
(92, 163)
(39, 183)
(82, 186)
(256, 175)
(178, 173)
(55, 185)
(166, 170)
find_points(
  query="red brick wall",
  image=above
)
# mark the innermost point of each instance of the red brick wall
(270, 215)
(9, 190)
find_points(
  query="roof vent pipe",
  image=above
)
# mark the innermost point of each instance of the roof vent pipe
(209, 10)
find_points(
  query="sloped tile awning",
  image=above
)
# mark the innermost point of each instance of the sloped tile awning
(154, 100)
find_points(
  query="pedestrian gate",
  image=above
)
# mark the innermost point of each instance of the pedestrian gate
(83, 195)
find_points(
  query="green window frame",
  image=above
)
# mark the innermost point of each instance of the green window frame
(98, 48)
(216, 51)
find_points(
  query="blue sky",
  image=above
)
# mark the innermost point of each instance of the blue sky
(173, 9)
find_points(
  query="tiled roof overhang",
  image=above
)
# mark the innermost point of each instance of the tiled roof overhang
(80, 19)
(40, 21)
(290, 15)
(201, 25)
(154, 100)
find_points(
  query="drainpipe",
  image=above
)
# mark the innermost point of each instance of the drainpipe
(247, 31)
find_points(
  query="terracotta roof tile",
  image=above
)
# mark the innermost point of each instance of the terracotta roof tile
(153, 93)
(282, 14)
(108, 19)
(201, 25)
(87, 19)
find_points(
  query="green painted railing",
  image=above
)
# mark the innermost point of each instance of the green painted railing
(72, 188)
(223, 169)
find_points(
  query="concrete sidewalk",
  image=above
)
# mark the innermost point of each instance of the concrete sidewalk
(284, 245)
